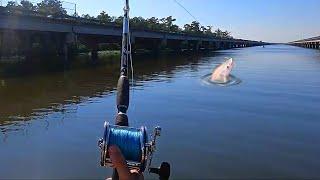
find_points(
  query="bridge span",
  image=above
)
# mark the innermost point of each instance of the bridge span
(23, 31)
(313, 43)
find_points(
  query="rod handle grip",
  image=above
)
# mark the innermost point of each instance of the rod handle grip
(163, 171)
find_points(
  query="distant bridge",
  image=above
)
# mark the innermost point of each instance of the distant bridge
(313, 43)
(66, 31)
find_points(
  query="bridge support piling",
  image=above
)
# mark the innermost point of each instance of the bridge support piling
(163, 43)
(26, 45)
(315, 45)
(197, 46)
(159, 45)
(1, 44)
(175, 45)
(67, 43)
(65, 55)
(94, 53)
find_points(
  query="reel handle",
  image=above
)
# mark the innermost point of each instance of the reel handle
(163, 171)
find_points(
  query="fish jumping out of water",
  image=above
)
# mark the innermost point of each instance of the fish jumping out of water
(221, 73)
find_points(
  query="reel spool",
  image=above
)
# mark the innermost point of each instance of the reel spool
(135, 147)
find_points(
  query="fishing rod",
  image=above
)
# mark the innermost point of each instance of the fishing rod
(133, 142)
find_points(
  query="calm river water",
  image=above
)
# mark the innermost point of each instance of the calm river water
(266, 126)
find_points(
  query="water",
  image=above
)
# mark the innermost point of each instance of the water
(266, 126)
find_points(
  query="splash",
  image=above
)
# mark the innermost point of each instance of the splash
(231, 81)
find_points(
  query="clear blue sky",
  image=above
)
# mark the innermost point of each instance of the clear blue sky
(267, 20)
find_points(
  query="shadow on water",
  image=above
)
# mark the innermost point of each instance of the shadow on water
(37, 94)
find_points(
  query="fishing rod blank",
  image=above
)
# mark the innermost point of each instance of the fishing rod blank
(133, 142)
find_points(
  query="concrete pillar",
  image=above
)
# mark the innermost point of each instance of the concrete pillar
(94, 53)
(65, 55)
(1, 44)
(205, 45)
(198, 45)
(221, 45)
(132, 39)
(63, 50)
(163, 43)
(212, 45)
(9, 42)
(159, 45)
(184, 45)
(317, 45)
(46, 43)
(26, 45)
(175, 45)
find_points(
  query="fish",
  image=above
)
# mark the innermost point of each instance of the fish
(221, 73)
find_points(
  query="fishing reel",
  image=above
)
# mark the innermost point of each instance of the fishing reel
(135, 147)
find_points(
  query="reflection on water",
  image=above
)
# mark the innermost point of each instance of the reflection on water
(32, 97)
(264, 127)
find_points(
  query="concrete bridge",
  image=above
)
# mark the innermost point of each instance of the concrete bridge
(313, 43)
(25, 31)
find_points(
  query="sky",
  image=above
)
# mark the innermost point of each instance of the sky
(265, 20)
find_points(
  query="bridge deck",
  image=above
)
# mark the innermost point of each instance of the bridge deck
(65, 25)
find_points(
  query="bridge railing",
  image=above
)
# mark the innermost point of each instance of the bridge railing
(69, 7)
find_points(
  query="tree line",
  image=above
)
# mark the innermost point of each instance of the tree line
(167, 24)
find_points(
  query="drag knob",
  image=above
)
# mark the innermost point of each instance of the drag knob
(163, 171)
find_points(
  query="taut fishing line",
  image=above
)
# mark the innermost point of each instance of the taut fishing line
(186, 10)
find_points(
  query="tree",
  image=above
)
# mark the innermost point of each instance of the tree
(11, 4)
(51, 7)
(13, 7)
(208, 31)
(175, 28)
(167, 23)
(218, 33)
(27, 5)
(87, 16)
(226, 34)
(193, 28)
(118, 20)
(103, 17)
(153, 23)
(138, 22)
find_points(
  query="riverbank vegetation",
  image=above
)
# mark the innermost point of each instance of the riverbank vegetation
(54, 8)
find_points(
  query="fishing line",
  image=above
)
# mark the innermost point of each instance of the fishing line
(131, 63)
(128, 140)
(186, 10)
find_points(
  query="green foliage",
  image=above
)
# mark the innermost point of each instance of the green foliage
(222, 34)
(118, 20)
(87, 16)
(11, 4)
(54, 8)
(51, 7)
(27, 5)
(193, 28)
(103, 17)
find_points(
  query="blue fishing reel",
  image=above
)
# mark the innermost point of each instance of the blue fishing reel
(135, 147)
